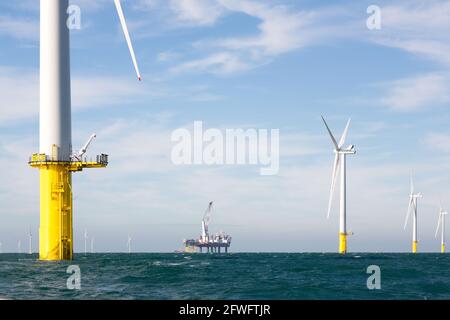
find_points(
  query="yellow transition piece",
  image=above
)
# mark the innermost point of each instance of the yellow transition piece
(414, 247)
(56, 230)
(342, 243)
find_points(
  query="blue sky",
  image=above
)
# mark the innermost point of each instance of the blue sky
(238, 64)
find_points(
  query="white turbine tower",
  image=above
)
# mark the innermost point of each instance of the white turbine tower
(30, 242)
(85, 240)
(412, 206)
(340, 164)
(441, 224)
(92, 244)
(129, 244)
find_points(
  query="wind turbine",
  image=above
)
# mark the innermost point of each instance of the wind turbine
(412, 206)
(340, 164)
(92, 244)
(85, 241)
(129, 244)
(19, 246)
(30, 242)
(441, 224)
(56, 160)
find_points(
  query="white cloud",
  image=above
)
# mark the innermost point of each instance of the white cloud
(280, 29)
(416, 93)
(431, 49)
(196, 12)
(417, 27)
(89, 92)
(167, 56)
(218, 63)
(418, 17)
(19, 90)
(20, 28)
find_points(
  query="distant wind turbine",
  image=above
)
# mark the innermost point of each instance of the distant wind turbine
(85, 240)
(129, 244)
(441, 224)
(92, 244)
(340, 164)
(19, 246)
(30, 242)
(413, 207)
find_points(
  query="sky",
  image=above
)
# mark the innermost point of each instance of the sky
(274, 64)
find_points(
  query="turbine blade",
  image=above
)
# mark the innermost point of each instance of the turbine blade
(438, 225)
(333, 182)
(344, 134)
(127, 36)
(408, 212)
(411, 183)
(331, 135)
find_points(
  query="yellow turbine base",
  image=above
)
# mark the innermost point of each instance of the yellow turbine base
(342, 243)
(414, 247)
(55, 231)
(443, 248)
(56, 228)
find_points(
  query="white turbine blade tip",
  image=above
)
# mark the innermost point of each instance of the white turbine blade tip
(127, 37)
(331, 135)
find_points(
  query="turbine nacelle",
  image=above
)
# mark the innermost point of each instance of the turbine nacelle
(349, 150)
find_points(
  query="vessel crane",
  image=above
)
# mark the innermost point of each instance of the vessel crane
(205, 222)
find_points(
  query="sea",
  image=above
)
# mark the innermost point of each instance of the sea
(240, 276)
